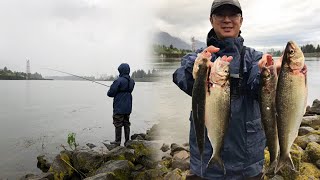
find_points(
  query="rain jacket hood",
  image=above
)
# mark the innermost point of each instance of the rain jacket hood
(124, 69)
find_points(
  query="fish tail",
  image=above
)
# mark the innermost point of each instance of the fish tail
(285, 161)
(270, 171)
(216, 160)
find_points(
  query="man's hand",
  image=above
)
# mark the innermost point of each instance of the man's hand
(267, 62)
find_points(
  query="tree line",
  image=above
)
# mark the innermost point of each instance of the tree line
(169, 52)
(7, 74)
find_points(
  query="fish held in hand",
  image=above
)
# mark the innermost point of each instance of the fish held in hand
(291, 99)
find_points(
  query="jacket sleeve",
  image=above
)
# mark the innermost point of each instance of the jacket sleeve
(254, 76)
(182, 77)
(114, 88)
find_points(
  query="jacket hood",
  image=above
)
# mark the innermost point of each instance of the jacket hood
(124, 69)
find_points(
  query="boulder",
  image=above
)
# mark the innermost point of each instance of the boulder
(140, 136)
(175, 148)
(61, 166)
(103, 176)
(303, 130)
(90, 145)
(309, 171)
(121, 153)
(110, 146)
(173, 175)
(315, 108)
(43, 163)
(181, 164)
(43, 176)
(311, 121)
(313, 151)
(87, 160)
(154, 174)
(120, 168)
(296, 155)
(182, 155)
(165, 147)
(303, 141)
(277, 177)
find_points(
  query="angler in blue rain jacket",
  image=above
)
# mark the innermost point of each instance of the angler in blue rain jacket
(121, 90)
(244, 142)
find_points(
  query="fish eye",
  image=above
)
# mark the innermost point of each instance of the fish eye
(291, 51)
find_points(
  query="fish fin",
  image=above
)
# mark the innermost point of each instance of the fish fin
(199, 127)
(285, 161)
(216, 160)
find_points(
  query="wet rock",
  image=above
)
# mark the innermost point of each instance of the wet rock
(311, 121)
(120, 168)
(166, 162)
(86, 160)
(181, 164)
(175, 148)
(182, 155)
(103, 176)
(140, 136)
(43, 163)
(173, 175)
(313, 151)
(303, 141)
(153, 133)
(147, 162)
(303, 130)
(165, 147)
(138, 167)
(315, 108)
(61, 166)
(90, 145)
(121, 153)
(110, 146)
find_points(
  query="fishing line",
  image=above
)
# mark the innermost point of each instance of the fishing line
(77, 76)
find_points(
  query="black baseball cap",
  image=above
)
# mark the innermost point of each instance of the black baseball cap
(218, 3)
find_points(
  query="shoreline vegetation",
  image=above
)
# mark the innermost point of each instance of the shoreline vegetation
(146, 156)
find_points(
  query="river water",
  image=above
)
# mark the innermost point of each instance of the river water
(36, 116)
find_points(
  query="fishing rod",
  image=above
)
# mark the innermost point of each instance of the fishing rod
(78, 76)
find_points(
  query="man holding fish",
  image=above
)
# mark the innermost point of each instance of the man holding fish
(227, 139)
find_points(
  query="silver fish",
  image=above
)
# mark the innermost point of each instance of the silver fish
(290, 101)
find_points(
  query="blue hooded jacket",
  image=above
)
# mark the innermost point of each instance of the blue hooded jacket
(121, 90)
(244, 141)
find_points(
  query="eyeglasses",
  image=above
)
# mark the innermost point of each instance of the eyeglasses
(221, 17)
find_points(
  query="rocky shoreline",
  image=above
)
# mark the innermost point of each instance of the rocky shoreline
(145, 157)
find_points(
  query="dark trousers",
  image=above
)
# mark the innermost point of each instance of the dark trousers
(120, 120)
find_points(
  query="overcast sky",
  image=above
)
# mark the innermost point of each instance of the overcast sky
(92, 37)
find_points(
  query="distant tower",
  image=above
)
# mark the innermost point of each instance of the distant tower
(193, 44)
(28, 70)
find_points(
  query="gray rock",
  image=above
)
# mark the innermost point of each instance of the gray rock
(175, 148)
(173, 175)
(110, 146)
(120, 168)
(303, 130)
(43, 163)
(182, 155)
(103, 176)
(164, 147)
(43, 176)
(86, 160)
(60, 167)
(121, 152)
(311, 121)
(315, 108)
(181, 164)
(90, 145)
(303, 141)
(154, 174)
(140, 135)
